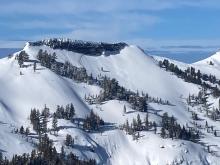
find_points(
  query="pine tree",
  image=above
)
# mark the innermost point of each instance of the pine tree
(21, 130)
(215, 133)
(20, 60)
(43, 125)
(72, 111)
(1, 158)
(35, 66)
(46, 112)
(62, 154)
(22, 57)
(54, 57)
(206, 124)
(37, 123)
(155, 127)
(219, 104)
(54, 124)
(67, 112)
(139, 123)
(127, 126)
(146, 122)
(134, 123)
(163, 132)
(124, 110)
(27, 131)
(44, 119)
(69, 140)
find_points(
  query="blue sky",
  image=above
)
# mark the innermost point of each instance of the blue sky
(177, 26)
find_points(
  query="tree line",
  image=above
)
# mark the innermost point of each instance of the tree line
(171, 129)
(194, 76)
(138, 125)
(88, 48)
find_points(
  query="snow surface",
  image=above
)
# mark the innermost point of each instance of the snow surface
(135, 71)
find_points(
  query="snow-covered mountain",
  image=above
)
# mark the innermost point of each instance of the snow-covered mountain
(23, 88)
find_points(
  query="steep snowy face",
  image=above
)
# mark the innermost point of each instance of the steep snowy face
(131, 67)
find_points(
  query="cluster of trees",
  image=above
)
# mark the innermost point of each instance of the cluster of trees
(202, 99)
(214, 114)
(194, 116)
(46, 153)
(138, 102)
(171, 129)
(65, 113)
(69, 140)
(47, 60)
(23, 131)
(64, 69)
(88, 48)
(137, 125)
(210, 129)
(112, 90)
(92, 122)
(52, 157)
(39, 120)
(193, 76)
(22, 57)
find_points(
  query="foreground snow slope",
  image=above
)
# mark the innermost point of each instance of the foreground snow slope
(135, 71)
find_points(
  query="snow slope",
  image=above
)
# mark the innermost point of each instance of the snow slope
(135, 71)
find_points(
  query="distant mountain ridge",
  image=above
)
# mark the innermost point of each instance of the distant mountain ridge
(6, 51)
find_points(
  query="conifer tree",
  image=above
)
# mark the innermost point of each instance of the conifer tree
(72, 111)
(124, 109)
(163, 132)
(35, 66)
(54, 124)
(146, 122)
(21, 130)
(1, 158)
(27, 131)
(215, 133)
(155, 127)
(139, 123)
(69, 140)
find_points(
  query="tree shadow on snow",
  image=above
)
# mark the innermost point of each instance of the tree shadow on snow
(78, 124)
